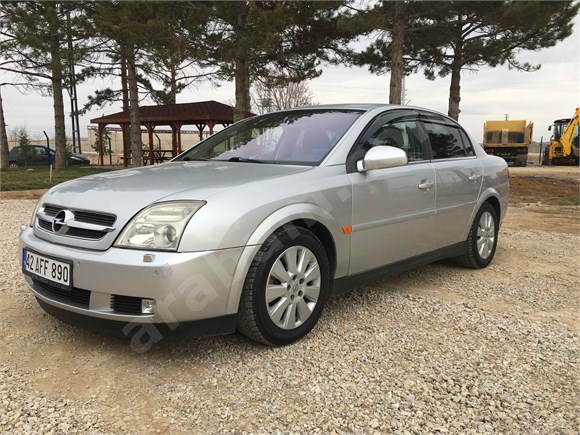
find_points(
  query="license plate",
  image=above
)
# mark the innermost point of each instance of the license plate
(47, 270)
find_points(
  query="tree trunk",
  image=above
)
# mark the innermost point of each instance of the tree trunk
(455, 86)
(125, 96)
(242, 79)
(242, 66)
(124, 88)
(173, 85)
(58, 102)
(397, 66)
(136, 145)
(3, 138)
(455, 91)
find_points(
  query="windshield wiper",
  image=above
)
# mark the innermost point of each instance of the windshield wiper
(245, 160)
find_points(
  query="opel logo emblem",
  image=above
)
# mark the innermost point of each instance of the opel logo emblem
(59, 224)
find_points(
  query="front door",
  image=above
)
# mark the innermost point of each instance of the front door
(393, 208)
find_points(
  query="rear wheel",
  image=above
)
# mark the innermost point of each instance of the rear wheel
(285, 289)
(482, 239)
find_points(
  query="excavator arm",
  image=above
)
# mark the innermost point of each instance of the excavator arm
(568, 134)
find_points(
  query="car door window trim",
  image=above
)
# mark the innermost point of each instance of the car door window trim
(372, 126)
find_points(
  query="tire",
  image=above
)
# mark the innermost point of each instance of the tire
(482, 239)
(296, 292)
(13, 164)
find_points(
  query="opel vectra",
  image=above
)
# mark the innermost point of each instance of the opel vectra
(255, 227)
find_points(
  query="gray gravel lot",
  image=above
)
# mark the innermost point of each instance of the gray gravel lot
(438, 349)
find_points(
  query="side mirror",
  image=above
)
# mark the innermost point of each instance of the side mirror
(381, 157)
(549, 128)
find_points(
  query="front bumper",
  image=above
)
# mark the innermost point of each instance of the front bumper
(108, 287)
(144, 332)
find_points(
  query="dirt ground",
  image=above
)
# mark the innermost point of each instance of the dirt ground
(59, 379)
(545, 199)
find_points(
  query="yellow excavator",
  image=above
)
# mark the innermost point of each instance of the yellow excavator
(563, 148)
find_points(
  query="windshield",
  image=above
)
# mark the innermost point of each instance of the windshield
(302, 137)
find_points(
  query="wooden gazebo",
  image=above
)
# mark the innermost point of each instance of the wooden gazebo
(203, 114)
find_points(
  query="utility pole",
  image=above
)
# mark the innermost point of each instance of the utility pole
(404, 100)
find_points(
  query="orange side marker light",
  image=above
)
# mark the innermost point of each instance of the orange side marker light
(347, 229)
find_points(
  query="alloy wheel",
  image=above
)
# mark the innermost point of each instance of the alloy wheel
(293, 287)
(485, 235)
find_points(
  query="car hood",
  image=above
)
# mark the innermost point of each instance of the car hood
(124, 193)
(128, 191)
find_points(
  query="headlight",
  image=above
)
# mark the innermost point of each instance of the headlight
(159, 226)
(33, 217)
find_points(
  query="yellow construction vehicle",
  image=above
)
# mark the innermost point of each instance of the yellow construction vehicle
(563, 147)
(508, 139)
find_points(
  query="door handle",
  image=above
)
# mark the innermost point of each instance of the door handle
(474, 177)
(426, 185)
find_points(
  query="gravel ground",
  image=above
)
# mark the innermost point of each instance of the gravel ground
(438, 349)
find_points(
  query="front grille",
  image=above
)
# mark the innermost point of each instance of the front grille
(126, 304)
(89, 217)
(77, 297)
(84, 216)
(45, 225)
(74, 232)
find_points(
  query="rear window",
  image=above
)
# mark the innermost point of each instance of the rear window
(447, 142)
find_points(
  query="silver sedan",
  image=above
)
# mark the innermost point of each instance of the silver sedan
(254, 228)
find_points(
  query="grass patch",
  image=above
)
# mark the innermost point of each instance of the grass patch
(564, 201)
(39, 177)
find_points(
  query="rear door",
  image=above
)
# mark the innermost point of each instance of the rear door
(458, 180)
(393, 208)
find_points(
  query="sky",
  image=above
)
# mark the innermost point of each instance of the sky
(540, 97)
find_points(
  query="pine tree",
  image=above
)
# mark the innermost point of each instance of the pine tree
(395, 25)
(284, 41)
(35, 47)
(473, 34)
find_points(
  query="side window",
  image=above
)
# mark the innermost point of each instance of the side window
(400, 134)
(467, 143)
(445, 141)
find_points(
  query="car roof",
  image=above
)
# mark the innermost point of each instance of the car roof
(365, 107)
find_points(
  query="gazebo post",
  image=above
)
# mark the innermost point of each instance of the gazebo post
(173, 138)
(100, 129)
(176, 137)
(200, 127)
(150, 127)
(124, 126)
(211, 125)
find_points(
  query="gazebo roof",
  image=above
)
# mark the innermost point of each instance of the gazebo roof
(186, 113)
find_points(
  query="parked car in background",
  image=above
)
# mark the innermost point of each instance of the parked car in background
(37, 155)
(253, 228)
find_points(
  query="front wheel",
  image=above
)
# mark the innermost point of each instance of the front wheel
(482, 239)
(13, 164)
(285, 289)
